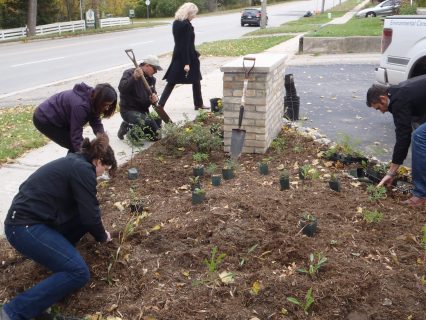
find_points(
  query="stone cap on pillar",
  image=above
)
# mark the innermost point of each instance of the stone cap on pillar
(265, 62)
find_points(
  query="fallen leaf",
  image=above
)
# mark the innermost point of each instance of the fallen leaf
(112, 307)
(226, 277)
(156, 227)
(119, 206)
(255, 288)
(355, 184)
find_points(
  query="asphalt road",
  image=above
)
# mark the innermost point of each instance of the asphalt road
(25, 66)
(332, 98)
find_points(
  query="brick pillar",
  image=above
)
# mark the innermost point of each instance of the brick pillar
(263, 110)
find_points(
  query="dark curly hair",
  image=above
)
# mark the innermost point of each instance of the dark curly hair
(99, 148)
(102, 93)
(374, 93)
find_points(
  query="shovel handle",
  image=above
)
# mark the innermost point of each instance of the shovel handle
(132, 57)
(240, 116)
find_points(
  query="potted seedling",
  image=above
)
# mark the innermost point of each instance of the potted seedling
(216, 178)
(136, 204)
(263, 166)
(198, 195)
(334, 183)
(284, 180)
(308, 224)
(199, 157)
(216, 105)
(228, 169)
(195, 182)
(135, 138)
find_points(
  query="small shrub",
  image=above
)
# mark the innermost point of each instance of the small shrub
(200, 157)
(373, 216)
(376, 192)
(314, 266)
(211, 168)
(278, 144)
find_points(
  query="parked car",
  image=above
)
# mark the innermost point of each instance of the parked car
(385, 8)
(251, 16)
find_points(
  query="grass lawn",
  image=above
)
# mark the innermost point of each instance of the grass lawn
(309, 23)
(239, 47)
(354, 27)
(17, 133)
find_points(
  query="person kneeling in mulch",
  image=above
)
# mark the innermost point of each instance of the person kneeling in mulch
(54, 208)
(135, 99)
(406, 103)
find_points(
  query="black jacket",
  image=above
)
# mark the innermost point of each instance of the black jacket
(133, 95)
(407, 103)
(58, 192)
(183, 53)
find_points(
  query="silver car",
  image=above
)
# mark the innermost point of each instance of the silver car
(385, 8)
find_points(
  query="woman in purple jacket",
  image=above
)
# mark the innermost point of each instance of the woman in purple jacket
(61, 117)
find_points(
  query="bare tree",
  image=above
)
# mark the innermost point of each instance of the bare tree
(31, 18)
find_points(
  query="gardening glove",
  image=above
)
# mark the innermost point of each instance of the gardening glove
(153, 98)
(138, 73)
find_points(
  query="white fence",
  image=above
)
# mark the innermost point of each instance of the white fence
(61, 27)
(112, 22)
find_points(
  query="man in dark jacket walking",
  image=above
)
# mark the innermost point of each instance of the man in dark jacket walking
(135, 99)
(407, 104)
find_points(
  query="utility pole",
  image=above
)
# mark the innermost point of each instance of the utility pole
(322, 6)
(263, 20)
(32, 18)
(81, 11)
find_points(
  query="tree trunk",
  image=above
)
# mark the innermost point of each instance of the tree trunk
(32, 18)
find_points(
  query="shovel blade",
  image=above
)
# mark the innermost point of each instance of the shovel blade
(237, 142)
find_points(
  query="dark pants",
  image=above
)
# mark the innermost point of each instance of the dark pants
(57, 134)
(141, 118)
(196, 94)
(54, 249)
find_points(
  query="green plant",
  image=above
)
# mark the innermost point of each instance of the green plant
(200, 157)
(408, 9)
(309, 300)
(284, 174)
(308, 218)
(230, 164)
(265, 160)
(201, 116)
(199, 191)
(215, 261)
(314, 266)
(373, 216)
(333, 178)
(194, 180)
(211, 168)
(154, 115)
(249, 251)
(424, 236)
(278, 144)
(307, 172)
(376, 192)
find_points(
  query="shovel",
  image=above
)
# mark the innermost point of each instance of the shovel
(238, 135)
(160, 111)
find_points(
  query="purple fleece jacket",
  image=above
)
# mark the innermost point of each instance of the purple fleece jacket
(71, 109)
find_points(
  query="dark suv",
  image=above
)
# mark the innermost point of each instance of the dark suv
(251, 16)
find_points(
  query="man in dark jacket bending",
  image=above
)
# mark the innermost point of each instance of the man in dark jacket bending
(135, 100)
(407, 104)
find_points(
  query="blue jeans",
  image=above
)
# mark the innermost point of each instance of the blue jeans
(53, 250)
(418, 150)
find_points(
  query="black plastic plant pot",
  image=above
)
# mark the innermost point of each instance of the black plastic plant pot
(132, 174)
(198, 197)
(158, 122)
(227, 174)
(334, 185)
(263, 168)
(352, 159)
(309, 228)
(136, 206)
(214, 105)
(284, 183)
(301, 174)
(374, 176)
(216, 179)
(198, 171)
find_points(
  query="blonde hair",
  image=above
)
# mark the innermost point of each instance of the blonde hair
(185, 11)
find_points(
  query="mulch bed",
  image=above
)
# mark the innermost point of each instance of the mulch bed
(374, 271)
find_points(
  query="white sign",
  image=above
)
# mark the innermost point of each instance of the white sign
(132, 12)
(90, 15)
(147, 2)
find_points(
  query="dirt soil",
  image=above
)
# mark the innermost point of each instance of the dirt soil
(374, 270)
